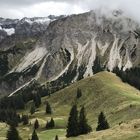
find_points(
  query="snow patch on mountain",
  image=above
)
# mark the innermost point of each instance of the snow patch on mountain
(28, 21)
(44, 20)
(9, 31)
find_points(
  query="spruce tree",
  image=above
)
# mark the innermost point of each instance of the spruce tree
(102, 122)
(56, 137)
(50, 124)
(47, 125)
(18, 117)
(12, 117)
(19, 102)
(36, 124)
(37, 99)
(79, 93)
(12, 134)
(72, 127)
(84, 128)
(48, 108)
(25, 119)
(34, 136)
(32, 110)
(97, 66)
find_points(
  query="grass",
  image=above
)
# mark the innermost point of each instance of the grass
(102, 92)
(3, 130)
(50, 134)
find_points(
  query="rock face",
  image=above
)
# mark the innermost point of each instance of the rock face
(115, 41)
(25, 28)
(69, 48)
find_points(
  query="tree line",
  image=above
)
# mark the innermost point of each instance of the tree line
(130, 76)
(9, 105)
(77, 120)
(77, 125)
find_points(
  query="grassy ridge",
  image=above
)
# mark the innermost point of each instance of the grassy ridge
(102, 92)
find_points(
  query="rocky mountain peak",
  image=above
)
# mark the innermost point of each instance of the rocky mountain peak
(71, 48)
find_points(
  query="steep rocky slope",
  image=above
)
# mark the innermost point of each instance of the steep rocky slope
(72, 48)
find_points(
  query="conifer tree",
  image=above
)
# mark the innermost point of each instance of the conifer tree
(25, 119)
(14, 121)
(12, 117)
(50, 124)
(34, 136)
(36, 124)
(37, 99)
(79, 93)
(48, 108)
(19, 102)
(47, 125)
(18, 117)
(102, 122)
(97, 66)
(32, 110)
(12, 134)
(56, 137)
(84, 128)
(72, 127)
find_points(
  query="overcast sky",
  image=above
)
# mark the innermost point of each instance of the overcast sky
(32, 8)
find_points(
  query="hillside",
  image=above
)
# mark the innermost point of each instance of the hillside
(102, 92)
(66, 49)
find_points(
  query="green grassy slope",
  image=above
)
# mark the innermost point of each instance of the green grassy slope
(102, 92)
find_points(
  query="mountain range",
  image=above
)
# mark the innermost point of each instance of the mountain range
(51, 59)
(65, 48)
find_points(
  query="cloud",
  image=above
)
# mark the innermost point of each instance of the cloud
(47, 8)
(35, 8)
(31, 8)
(20, 3)
(130, 7)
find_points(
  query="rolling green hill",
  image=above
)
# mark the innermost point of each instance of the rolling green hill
(102, 92)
